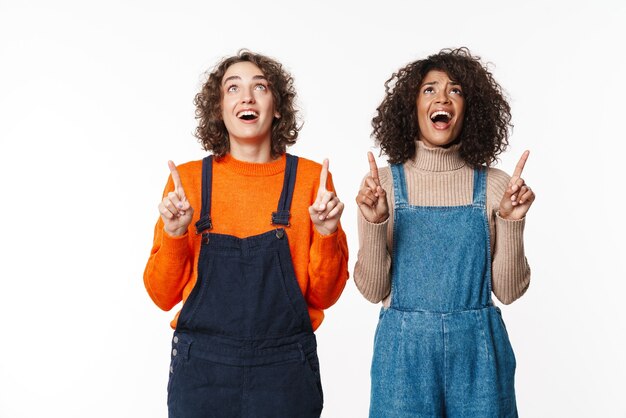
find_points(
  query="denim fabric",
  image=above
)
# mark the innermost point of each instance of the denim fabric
(441, 348)
(217, 377)
(244, 345)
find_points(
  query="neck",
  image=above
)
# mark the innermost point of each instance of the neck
(436, 159)
(251, 152)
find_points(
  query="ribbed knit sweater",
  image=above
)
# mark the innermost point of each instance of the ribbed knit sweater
(440, 177)
(243, 197)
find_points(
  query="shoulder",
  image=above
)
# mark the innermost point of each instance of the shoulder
(384, 175)
(190, 167)
(308, 176)
(496, 176)
(497, 183)
(306, 166)
(309, 171)
(190, 176)
(190, 172)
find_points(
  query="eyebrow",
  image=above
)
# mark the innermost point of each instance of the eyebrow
(432, 83)
(236, 77)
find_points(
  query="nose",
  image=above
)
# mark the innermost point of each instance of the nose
(442, 96)
(248, 96)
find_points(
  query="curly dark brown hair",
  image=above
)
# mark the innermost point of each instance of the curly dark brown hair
(487, 120)
(211, 131)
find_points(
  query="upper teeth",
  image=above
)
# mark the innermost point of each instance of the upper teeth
(440, 112)
(246, 113)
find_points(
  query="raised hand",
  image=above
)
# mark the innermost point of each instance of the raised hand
(175, 209)
(518, 196)
(372, 198)
(327, 209)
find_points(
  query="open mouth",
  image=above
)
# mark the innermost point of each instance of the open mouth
(441, 118)
(248, 115)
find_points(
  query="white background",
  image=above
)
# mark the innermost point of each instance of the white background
(95, 98)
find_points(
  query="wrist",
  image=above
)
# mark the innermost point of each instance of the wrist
(325, 231)
(509, 216)
(374, 219)
(380, 219)
(176, 233)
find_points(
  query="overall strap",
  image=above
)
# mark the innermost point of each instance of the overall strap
(480, 186)
(281, 216)
(399, 185)
(204, 222)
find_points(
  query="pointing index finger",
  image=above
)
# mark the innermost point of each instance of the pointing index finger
(520, 165)
(178, 185)
(373, 167)
(323, 175)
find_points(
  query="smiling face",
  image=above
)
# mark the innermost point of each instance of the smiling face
(440, 109)
(247, 104)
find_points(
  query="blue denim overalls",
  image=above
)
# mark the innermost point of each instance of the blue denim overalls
(244, 345)
(441, 348)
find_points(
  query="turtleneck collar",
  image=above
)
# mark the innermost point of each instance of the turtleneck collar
(253, 169)
(436, 159)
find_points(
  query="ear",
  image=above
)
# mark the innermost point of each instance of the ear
(277, 115)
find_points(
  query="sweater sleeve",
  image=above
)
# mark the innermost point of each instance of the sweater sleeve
(510, 269)
(328, 266)
(169, 266)
(373, 265)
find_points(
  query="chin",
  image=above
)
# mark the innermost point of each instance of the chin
(449, 144)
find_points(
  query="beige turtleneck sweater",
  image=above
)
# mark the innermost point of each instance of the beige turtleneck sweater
(439, 177)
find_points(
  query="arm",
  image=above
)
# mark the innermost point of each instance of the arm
(168, 269)
(169, 266)
(373, 265)
(328, 268)
(510, 270)
(328, 255)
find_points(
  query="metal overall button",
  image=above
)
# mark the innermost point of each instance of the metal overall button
(280, 233)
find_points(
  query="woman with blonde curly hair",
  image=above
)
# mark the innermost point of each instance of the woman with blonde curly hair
(265, 257)
(439, 231)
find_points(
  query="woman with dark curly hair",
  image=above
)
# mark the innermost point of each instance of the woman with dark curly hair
(252, 293)
(439, 230)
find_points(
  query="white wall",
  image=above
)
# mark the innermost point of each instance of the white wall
(94, 99)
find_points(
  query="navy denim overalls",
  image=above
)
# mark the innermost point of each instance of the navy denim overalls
(244, 345)
(441, 348)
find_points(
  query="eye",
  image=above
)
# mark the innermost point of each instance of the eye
(428, 89)
(456, 90)
(260, 87)
(232, 89)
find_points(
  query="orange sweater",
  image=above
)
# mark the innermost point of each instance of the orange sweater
(244, 195)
